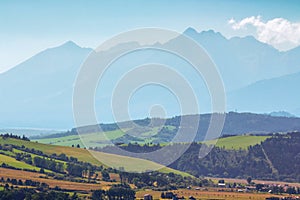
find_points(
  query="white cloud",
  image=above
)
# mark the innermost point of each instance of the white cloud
(278, 32)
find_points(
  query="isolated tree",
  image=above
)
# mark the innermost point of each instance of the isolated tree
(6, 187)
(20, 182)
(249, 180)
(14, 181)
(105, 175)
(96, 176)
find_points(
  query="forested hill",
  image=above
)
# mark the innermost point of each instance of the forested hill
(235, 124)
(276, 158)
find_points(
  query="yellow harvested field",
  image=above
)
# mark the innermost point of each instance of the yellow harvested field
(244, 181)
(23, 175)
(208, 195)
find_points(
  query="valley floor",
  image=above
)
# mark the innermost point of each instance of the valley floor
(210, 194)
(205, 193)
(244, 181)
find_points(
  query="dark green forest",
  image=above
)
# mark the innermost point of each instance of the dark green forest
(276, 158)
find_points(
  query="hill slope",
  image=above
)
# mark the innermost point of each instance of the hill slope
(238, 142)
(116, 161)
(276, 158)
(235, 124)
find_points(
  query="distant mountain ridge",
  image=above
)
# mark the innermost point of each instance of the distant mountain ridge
(29, 132)
(281, 114)
(38, 92)
(243, 61)
(271, 94)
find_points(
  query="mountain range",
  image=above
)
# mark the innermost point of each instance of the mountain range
(257, 78)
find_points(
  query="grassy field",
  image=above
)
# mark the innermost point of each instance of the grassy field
(8, 153)
(17, 164)
(133, 164)
(238, 142)
(90, 139)
(95, 139)
(34, 155)
(130, 164)
(79, 153)
(102, 138)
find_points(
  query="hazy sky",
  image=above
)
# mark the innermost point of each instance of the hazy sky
(28, 27)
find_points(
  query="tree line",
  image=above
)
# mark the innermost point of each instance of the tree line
(116, 192)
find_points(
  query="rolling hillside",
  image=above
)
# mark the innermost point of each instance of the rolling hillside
(238, 142)
(116, 161)
(235, 124)
(15, 163)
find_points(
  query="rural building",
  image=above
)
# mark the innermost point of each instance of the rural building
(148, 197)
(221, 183)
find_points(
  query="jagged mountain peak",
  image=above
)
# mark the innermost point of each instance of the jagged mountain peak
(192, 32)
